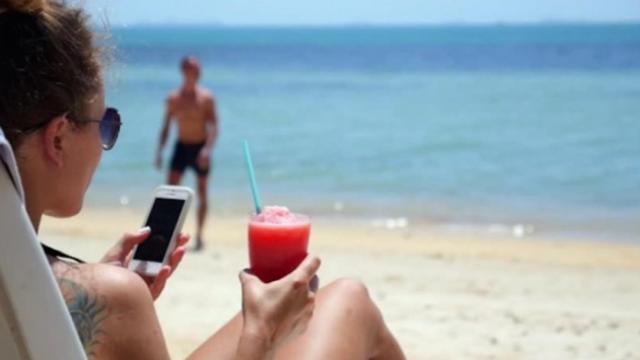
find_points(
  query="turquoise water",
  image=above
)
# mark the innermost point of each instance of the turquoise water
(457, 126)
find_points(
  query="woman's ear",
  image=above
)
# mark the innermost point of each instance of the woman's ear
(55, 137)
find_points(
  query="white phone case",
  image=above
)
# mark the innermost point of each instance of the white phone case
(152, 268)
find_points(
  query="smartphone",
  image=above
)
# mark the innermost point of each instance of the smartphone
(170, 207)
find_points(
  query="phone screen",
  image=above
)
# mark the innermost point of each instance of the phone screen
(162, 220)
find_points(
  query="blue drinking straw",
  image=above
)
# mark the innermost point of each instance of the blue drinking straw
(252, 178)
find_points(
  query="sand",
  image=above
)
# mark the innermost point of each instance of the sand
(445, 295)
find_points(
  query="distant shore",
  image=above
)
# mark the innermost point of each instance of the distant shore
(446, 295)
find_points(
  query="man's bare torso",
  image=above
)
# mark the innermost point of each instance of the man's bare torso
(191, 110)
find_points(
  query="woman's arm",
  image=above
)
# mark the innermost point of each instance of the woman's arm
(272, 314)
(114, 315)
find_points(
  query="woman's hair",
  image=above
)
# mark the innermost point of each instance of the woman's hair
(49, 64)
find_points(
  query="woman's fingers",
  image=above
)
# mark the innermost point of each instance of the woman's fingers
(120, 252)
(176, 257)
(247, 278)
(129, 240)
(178, 253)
(157, 283)
(183, 239)
(306, 270)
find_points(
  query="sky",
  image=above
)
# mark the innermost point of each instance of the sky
(350, 12)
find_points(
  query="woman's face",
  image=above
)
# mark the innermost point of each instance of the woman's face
(81, 154)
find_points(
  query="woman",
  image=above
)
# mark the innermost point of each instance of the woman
(52, 111)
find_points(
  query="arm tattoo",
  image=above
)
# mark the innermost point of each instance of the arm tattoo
(87, 310)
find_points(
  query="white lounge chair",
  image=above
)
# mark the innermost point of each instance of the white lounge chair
(34, 321)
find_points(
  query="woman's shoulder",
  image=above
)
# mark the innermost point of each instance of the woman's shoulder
(101, 279)
(97, 296)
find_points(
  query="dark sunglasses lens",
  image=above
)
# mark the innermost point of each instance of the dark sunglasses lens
(109, 128)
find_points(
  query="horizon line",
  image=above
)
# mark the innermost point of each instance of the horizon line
(376, 25)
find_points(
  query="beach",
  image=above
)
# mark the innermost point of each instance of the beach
(444, 294)
(482, 181)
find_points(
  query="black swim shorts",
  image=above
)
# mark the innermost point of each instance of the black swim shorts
(186, 155)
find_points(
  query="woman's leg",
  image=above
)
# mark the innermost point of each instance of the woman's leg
(346, 324)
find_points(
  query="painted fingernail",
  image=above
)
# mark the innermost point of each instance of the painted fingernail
(314, 283)
(144, 230)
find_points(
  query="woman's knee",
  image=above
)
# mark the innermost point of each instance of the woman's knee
(351, 294)
(349, 287)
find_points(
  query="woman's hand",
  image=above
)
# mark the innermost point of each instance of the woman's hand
(275, 312)
(121, 253)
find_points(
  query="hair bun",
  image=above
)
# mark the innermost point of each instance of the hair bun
(26, 6)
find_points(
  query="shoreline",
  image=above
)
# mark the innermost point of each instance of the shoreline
(607, 227)
(431, 239)
(444, 295)
(496, 217)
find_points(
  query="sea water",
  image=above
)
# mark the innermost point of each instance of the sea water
(527, 128)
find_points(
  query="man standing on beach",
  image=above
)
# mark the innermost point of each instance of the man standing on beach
(194, 110)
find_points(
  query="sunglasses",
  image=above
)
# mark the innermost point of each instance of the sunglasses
(109, 127)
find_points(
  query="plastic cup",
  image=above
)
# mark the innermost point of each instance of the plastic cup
(277, 248)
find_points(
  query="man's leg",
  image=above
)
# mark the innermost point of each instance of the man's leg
(346, 324)
(202, 209)
(175, 177)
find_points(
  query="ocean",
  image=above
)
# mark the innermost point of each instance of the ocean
(530, 129)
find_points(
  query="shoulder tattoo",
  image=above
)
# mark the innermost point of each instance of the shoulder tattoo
(88, 311)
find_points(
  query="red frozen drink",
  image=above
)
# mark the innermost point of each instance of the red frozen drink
(278, 242)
